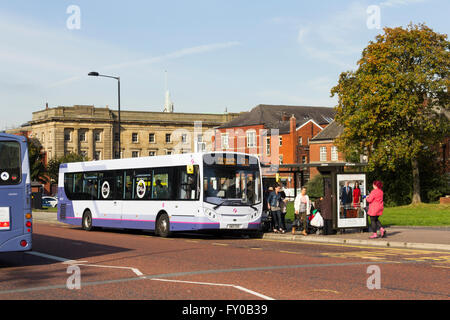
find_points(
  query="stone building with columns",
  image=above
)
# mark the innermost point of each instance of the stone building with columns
(94, 132)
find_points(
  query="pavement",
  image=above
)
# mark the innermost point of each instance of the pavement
(425, 238)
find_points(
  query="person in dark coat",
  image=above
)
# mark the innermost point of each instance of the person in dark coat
(326, 208)
(346, 197)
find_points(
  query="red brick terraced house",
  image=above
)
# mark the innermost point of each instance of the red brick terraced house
(278, 134)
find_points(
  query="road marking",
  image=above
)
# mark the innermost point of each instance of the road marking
(219, 244)
(326, 290)
(221, 285)
(190, 273)
(441, 267)
(283, 251)
(349, 245)
(47, 256)
(81, 263)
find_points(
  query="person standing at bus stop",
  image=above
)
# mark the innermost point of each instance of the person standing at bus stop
(375, 200)
(302, 207)
(274, 205)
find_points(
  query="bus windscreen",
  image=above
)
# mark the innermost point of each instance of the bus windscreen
(10, 165)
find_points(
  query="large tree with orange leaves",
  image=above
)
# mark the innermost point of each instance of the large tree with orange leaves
(393, 106)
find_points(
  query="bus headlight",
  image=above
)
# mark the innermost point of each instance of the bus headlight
(211, 214)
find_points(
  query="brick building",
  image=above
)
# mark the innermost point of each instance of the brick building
(278, 134)
(322, 148)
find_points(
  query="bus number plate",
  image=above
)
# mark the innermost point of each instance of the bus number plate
(233, 226)
(4, 218)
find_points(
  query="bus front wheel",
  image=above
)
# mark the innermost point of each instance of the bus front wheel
(87, 221)
(163, 226)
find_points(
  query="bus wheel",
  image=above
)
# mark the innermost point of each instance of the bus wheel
(86, 223)
(163, 226)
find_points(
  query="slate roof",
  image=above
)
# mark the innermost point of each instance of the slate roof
(331, 132)
(271, 116)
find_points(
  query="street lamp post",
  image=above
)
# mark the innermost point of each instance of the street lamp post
(96, 74)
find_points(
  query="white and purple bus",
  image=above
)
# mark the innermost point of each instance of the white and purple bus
(182, 192)
(15, 192)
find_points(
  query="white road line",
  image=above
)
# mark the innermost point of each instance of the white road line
(222, 285)
(44, 255)
(80, 263)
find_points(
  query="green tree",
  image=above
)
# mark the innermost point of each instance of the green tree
(37, 157)
(392, 106)
(53, 164)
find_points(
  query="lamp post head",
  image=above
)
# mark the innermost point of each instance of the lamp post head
(93, 73)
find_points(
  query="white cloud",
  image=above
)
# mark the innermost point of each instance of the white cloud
(396, 3)
(157, 59)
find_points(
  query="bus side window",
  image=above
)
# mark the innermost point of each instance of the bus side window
(128, 185)
(142, 184)
(68, 185)
(162, 185)
(188, 183)
(118, 187)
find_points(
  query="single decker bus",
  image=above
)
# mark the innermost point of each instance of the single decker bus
(165, 194)
(15, 194)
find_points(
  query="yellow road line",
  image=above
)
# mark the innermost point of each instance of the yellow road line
(351, 246)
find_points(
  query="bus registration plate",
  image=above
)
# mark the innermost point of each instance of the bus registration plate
(233, 226)
(4, 218)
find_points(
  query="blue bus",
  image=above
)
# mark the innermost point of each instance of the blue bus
(15, 192)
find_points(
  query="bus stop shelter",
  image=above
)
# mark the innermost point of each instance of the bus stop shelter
(344, 214)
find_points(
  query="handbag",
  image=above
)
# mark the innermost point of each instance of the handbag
(317, 221)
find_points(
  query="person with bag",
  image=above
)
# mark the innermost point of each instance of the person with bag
(273, 203)
(302, 207)
(283, 206)
(375, 200)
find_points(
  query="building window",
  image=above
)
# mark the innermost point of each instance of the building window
(169, 152)
(334, 153)
(184, 138)
(225, 144)
(66, 135)
(97, 155)
(281, 141)
(300, 141)
(152, 153)
(116, 136)
(268, 146)
(97, 136)
(134, 137)
(303, 159)
(168, 138)
(134, 154)
(82, 136)
(281, 159)
(251, 139)
(43, 137)
(83, 154)
(116, 155)
(151, 137)
(323, 153)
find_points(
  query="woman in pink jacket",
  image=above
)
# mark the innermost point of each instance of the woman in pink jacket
(375, 200)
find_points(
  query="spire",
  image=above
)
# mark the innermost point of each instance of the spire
(168, 104)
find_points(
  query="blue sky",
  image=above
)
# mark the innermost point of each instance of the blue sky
(218, 54)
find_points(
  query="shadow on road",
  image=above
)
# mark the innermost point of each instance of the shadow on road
(59, 247)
